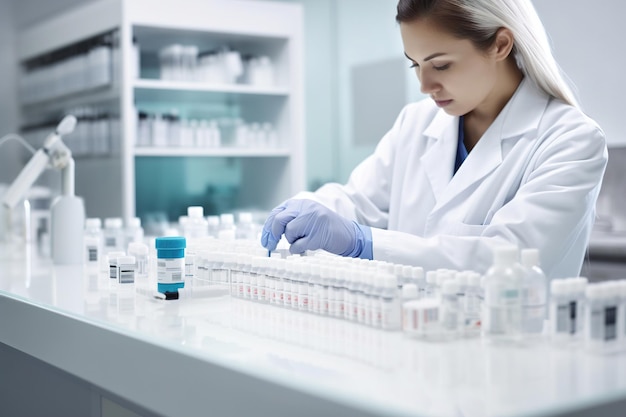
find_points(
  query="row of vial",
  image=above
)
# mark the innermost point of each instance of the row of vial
(169, 130)
(221, 66)
(87, 65)
(96, 133)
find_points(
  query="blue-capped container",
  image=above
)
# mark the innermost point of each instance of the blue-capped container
(170, 265)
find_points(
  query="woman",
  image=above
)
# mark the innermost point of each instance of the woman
(500, 153)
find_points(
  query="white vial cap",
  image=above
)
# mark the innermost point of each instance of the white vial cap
(245, 217)
(530, 257)
(431, 277)
(474, 279)
(195, 212)
(126, 260)
(450, 287)
(114, 255)
(93, 223)
(594, 292)
(417, 272)
(134, 223)
(137, 248)
(461, 278)
(505, 255)
(113, 223)
(558, 286)
(227, 218)
(409, 291)
(182, 220)
(405, 271)
(213, 220)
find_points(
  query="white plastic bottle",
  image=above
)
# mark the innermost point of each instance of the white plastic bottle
(502, 308)
(534, 293)
(450, 311)
(245, 227)
(133, 231)
(196, 225)
(213, 223)
(93, 242)
(113, 235)
(228, 230)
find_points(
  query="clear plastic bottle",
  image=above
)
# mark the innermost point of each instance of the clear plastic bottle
(450, 311)
(93, 242)
(113, 235)
(431, 283)
(472, 306)
(534, 293)
(133, 231)
(228, 230)
(391, 306)
(196, 225)
(140, 252)
(213, 223)
(601, 318)
(503, 300)
(566, 308)
(246, 229)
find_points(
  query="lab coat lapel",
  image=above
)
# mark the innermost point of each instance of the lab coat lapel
(442, 133)
(519, 117)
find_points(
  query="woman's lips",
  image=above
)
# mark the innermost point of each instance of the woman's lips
(443, 103)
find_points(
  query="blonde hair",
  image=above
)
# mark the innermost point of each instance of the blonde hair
(479, 20)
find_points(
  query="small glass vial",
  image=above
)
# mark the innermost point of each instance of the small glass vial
(534, 293)
(112, 265)
(126, 269)
(431, 283)
(503, 302)
(140, 252)
(391, 307)
(196, 225)
(113, 234)
(170, 265)
(213, 224)
(566, 308)
(134, 231)
(420, 318)
(228, 229)
(93, 242)
(450, 317)
(601, 318)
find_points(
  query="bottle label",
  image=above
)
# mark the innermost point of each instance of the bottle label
(170, 270)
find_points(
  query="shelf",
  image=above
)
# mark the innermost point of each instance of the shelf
(96, 95)
(167, 87)
(215, 152)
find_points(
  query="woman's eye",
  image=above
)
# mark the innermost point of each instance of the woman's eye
(441, 67)
(413, 65)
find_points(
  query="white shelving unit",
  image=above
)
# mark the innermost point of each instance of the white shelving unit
(108, 182)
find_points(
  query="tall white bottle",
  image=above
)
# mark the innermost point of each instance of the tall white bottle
(502, 308)
(534, 293)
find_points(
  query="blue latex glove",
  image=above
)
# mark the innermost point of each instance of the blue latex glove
(309, 225)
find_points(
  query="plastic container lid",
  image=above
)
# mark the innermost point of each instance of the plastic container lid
(194, 212)
(227, 218)
(409, 291)
(137, 248)
(170, 247)
(431, 277)
(113, 223)
(93, 223)
(245, 217)
(505, 255)
(529, 257)
(417, 272)
(213, 220)
(135, 223)
(450, 287)
(126, 260)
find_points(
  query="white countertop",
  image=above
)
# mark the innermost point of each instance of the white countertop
(236, 357)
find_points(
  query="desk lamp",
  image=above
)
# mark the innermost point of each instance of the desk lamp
(67, 212)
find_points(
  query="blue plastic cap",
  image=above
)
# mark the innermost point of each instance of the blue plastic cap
(170, 247)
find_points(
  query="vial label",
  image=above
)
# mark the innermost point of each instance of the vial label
(170, 270)
(610, 323)
(92, 254)
(110, 241)
(126, 276)
(113, 271)
(596, 324)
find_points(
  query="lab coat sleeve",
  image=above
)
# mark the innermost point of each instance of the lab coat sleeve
(553, 208)
(365, 197)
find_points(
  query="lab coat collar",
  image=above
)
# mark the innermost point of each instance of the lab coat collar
(520, 116)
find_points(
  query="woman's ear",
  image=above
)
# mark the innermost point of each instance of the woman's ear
(504, 44)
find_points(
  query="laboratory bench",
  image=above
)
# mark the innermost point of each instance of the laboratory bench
(73, 344)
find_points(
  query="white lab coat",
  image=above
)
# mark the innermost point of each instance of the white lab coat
(532, 180)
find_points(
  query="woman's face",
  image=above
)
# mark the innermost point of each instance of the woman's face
(455, 74)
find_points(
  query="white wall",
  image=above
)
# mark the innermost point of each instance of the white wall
(587, 38)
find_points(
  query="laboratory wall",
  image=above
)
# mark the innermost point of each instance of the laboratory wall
(9, 166)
